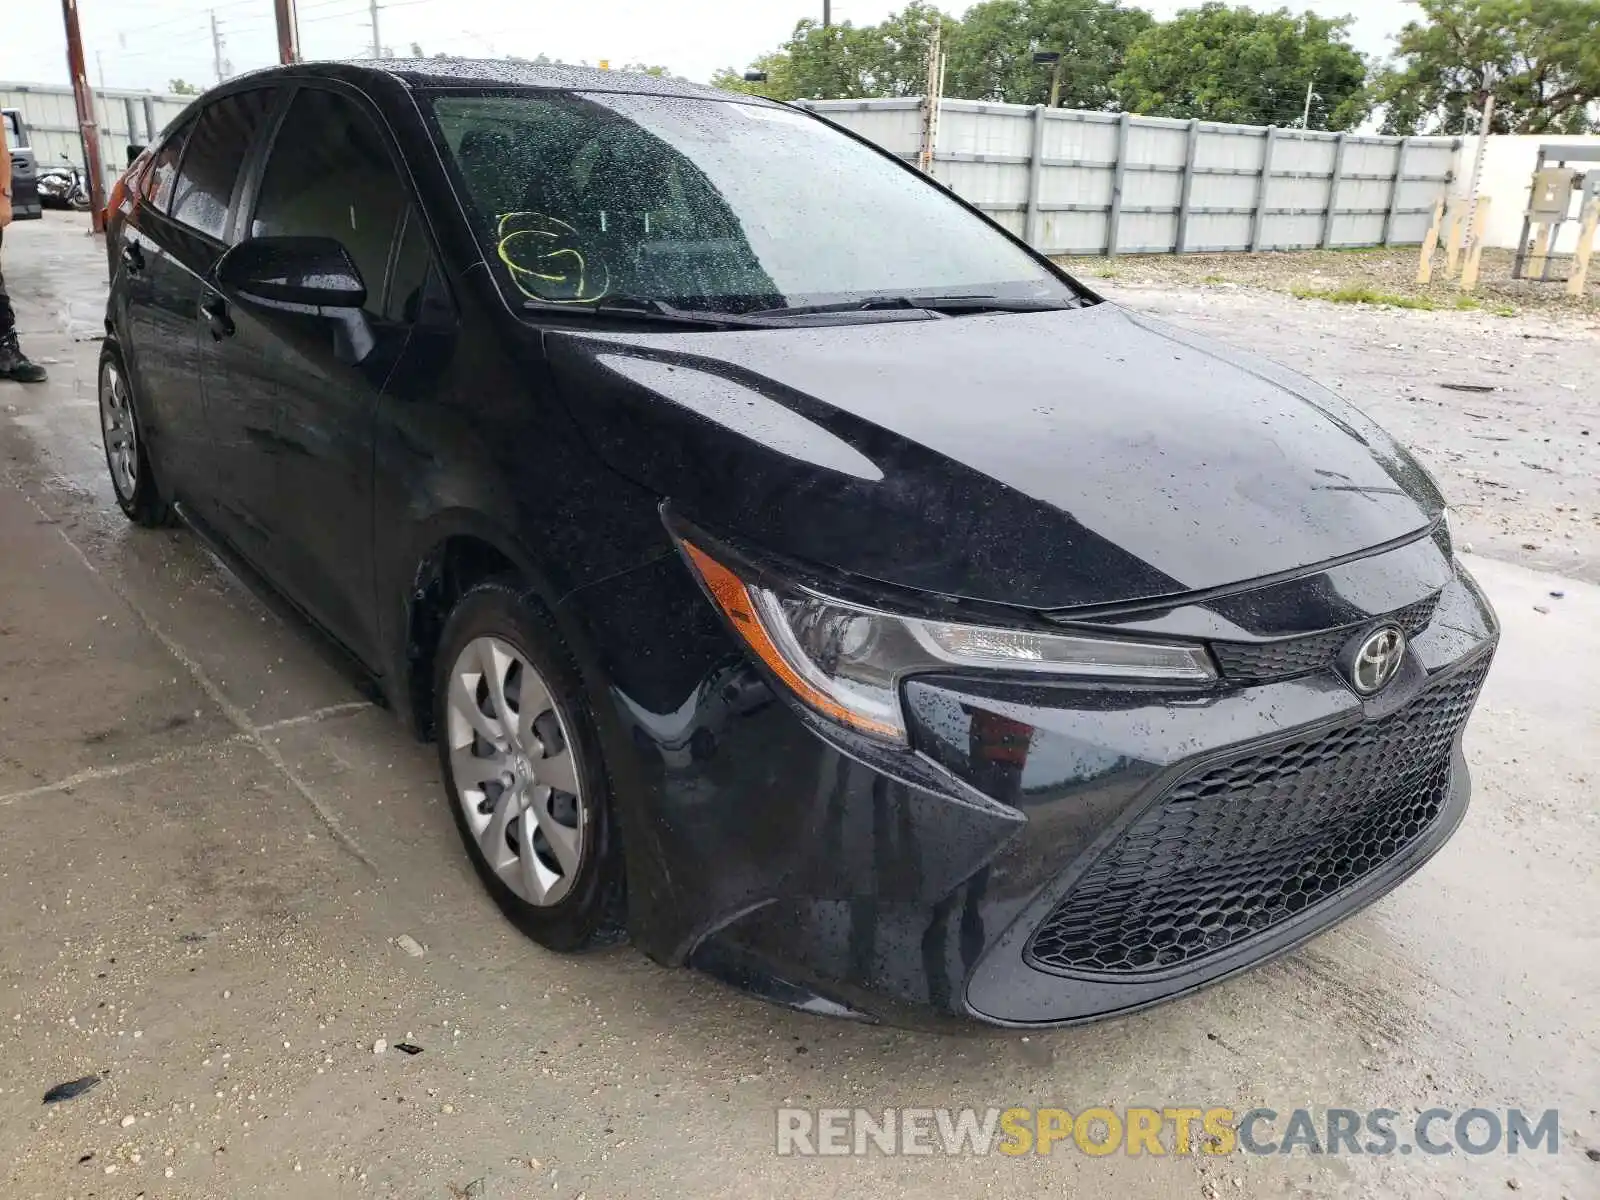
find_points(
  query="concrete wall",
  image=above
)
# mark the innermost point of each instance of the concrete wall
(1508, 163)
(124, 117)
(1074, 182)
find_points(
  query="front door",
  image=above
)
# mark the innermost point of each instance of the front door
(330, 174)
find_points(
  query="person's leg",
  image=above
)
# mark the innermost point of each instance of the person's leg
(14, 363)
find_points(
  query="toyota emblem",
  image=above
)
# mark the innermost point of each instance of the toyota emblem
(1375, 660)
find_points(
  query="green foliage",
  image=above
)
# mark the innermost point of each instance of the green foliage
(1235, 64)
(991, 54)
(845, 61)
(1540, 58)
(1359, 294)
(181, 87)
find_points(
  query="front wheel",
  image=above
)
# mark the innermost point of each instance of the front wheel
(522, 766)
(127, 458)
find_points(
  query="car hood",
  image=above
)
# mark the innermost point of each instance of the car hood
(1047, 460)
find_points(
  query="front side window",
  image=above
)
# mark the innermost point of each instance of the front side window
(222, 137)
(330, 175)
(163, 172)
(710, 205)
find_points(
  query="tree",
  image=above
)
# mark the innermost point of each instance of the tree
(179, 87)
(846, 62)
(640, 68)
(1540, 59)
(1234, 64)
(991, 54)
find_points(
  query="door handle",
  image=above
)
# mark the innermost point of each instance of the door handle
(133, 257)
(215, 311)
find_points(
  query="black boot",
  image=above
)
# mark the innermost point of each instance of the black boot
(14, 364)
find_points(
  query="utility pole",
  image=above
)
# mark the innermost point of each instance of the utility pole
(377, 43)
(827, 13)
(1477, 165)
(100, 67)
(88, 127)
(1305, 118)
(931, 103)
(1055, 81)
(216, 46)
(288, 22)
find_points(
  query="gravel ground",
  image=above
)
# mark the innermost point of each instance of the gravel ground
(1389, 273)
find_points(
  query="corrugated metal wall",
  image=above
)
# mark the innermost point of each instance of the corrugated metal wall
(124, 117)
(1076, 182)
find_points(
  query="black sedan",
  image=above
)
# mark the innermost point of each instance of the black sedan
(796, 572)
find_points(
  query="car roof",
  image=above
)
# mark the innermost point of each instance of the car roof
(477, 73)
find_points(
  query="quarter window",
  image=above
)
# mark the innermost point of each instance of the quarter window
(163, 172)
(331, 176)
(222, 137)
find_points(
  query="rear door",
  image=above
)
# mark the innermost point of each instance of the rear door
(157, 287)
(235, 426)
(332, 172)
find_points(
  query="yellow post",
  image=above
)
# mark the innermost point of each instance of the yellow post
(1457, 226)
(1430, 242)
(1580, 258)
(1480, 221)
(1541, 249)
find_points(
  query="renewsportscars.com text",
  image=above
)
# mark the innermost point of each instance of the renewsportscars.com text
(1177, 1129)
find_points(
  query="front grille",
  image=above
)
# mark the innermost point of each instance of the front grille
(1240, 846)
(1253, 662)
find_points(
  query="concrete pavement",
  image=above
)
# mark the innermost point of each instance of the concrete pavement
(209, 842)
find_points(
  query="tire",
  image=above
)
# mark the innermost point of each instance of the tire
(133, 480)
(552, 766)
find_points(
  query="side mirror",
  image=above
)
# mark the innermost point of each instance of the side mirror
(294, 273)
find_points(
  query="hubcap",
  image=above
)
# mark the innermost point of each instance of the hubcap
(116, 423)
(514, 771)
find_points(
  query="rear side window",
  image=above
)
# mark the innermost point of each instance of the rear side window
(222, 137)
(13, 131)
(163, 172)
(330, 175)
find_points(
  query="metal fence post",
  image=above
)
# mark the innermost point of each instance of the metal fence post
(1031, 233)
(150, 128)
(1259, 220)
(1180, 241)
(1394, 191)
(1119, 174)
(1333, 193)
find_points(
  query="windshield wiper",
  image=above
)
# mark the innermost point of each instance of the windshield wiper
(646, 308)
(932, 303)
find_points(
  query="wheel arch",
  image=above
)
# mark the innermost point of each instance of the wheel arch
(449, 555)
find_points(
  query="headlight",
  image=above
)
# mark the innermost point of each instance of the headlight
(846, 661)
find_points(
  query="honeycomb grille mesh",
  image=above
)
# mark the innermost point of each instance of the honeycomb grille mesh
(1240, 846)
(1287, 657)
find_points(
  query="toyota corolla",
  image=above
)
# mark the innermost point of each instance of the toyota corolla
(797, 573)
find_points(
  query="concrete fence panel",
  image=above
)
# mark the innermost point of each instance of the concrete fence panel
(124, 118)
(1073, 182)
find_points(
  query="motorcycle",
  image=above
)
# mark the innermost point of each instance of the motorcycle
(62, 187)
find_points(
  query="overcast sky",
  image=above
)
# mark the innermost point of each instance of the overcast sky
(145, 43)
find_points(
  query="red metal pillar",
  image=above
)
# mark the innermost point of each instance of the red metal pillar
(88, 126)
(288, 31)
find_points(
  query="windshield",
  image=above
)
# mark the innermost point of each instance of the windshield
(708, 205)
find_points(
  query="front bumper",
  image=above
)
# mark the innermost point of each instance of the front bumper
(1039, 859)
